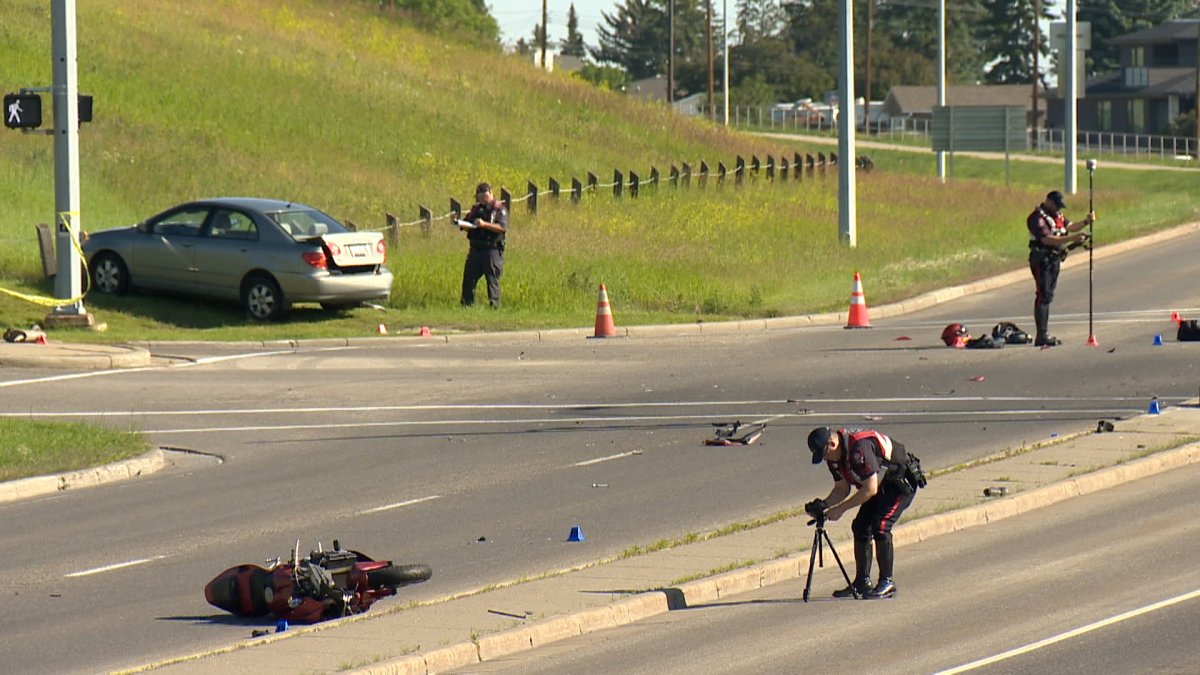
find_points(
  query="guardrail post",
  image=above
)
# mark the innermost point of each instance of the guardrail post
(576, 190)
(593, 182)
(554, 189)
(686, 175)
(739, 171)
(721, 173)
(821, 161)
(770, 167)
(506, 197)
(702, 179)
(798, 163)
(532, 194)
(618, 183)
(833, 159)
(810, 162)
(455, 209)
(783, 169)
(755, 165)
(426, 220)
(654, 177)
(674, 176)
(634, 183)
(391, 231)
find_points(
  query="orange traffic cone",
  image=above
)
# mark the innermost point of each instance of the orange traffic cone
(41, 340)
(424, 331)
(382, 330)
(858, 306)
(1176, 319)
(604, 320)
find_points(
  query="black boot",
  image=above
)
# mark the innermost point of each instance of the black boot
(1041, 317)
(862, 576)
(886, 588)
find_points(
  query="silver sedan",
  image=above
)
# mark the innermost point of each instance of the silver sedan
(264, 252)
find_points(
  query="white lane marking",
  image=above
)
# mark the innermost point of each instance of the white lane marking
(388, 507)
(630, 418)
(114, 566)
(605, 459)
(1073, 633)
(574, 406)
(203, 361)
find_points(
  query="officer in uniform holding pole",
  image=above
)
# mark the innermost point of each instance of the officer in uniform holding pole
(1050, 233)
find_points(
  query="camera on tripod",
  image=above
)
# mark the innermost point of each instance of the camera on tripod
(816, 510)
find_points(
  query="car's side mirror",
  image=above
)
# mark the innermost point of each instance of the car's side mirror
(143, 227)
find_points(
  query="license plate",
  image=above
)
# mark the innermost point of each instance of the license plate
(359, 250)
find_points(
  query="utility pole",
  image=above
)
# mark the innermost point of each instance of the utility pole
(1071, 119)
(545, 34)
(867, 85)
(847, 205)
(1037, 50)
(1196, 108)
(941, 80)
(67, 282)
(671, 52)
(712, 103)
(725, 61)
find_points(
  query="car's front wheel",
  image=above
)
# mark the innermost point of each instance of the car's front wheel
(109, 273)
(262, 299)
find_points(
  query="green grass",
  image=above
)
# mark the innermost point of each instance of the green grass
(353, 112)
(30, 448)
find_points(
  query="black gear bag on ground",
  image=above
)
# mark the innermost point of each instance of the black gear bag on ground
(1189, 331)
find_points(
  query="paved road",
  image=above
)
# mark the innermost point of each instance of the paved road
(1072, 588)
(478, 457)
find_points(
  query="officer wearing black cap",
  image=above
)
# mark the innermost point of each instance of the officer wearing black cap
(874, 465)
(1049, 235)
(485, 223)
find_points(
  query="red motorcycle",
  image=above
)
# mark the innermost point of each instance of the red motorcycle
(325, 585)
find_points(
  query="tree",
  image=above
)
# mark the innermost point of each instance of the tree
(758, 20)
(636, 38)
(466, 17)
(572, 45)
(1007, 36)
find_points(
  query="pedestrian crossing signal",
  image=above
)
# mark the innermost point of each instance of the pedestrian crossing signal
(22, 111)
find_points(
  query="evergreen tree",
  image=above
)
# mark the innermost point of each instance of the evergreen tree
(759, 20)
(572, 45)
(636, 38)
(1007, 37)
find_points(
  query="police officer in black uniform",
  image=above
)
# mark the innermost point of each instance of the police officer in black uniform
(874, 465)
(485, 223)
(1050, 233)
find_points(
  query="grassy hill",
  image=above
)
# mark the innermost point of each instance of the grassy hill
(352, 111)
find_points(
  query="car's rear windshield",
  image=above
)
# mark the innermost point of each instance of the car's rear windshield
(306, 223)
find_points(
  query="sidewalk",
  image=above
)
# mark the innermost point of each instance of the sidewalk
(456, 633)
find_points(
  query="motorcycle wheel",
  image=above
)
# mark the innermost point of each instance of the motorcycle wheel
(399, 575)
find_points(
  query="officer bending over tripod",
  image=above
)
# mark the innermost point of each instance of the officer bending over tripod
(885, 478)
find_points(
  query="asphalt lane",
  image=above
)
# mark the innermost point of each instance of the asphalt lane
(477, 456)
(1099, 584)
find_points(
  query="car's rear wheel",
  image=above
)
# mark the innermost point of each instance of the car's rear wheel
(109, 273)
(262, 299)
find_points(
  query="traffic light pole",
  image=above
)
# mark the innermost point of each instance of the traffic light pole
(68, 282)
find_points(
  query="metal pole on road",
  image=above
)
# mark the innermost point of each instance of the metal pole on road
(847, 215)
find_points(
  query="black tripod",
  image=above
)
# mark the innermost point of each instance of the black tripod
(820, 538)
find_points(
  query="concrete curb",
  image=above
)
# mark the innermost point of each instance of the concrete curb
(82, 356)
(37, 486)
(712, 589)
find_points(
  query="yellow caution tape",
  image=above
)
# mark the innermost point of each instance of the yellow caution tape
(66, 217)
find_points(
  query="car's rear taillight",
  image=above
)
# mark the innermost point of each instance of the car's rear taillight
(316, 259)
(381, 249)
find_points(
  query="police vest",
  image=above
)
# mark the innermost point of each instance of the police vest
(884, 449)
(1056, 224)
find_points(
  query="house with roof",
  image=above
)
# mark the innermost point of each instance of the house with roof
(915, 102)
(1155, 83)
